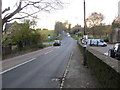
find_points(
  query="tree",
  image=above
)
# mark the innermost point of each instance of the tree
(37, 5)
(102, 30)
(59, 27)
(95, 19)
(23, 35)
(69, 27)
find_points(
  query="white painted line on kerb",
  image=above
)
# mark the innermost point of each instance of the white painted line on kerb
(17, 66)
(66, 71)
(48, 52)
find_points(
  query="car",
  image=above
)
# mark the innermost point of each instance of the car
(68, 36)
(57, 43)
(115, 51)
(96, 42)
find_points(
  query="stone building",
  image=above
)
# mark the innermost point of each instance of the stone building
(115, 35)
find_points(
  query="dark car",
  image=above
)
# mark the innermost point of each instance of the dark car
(115, 51)
(57, 43)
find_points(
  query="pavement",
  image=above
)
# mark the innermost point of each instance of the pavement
(78, 75)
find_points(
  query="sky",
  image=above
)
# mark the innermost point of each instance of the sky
(73, 12)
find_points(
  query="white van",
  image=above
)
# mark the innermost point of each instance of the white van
(96, 42)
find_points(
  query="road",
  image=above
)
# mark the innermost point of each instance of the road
(38, 69)
(103, 50)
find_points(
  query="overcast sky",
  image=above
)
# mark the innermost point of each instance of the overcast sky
(73, 12)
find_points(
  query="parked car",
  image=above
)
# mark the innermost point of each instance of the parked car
(115, 51)
(57, 43)
(96, 42)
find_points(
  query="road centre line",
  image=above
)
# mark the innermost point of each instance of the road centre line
(17, 66)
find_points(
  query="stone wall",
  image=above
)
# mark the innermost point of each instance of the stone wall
(106, 68)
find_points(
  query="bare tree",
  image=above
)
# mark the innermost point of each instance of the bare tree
(95, 19)
(34, 5)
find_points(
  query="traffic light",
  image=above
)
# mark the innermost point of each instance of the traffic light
(76, 34)
(49, 36)
(59, 34)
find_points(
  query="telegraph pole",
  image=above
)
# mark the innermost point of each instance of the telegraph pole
(0, 44)
(84, 18)
(85, 36)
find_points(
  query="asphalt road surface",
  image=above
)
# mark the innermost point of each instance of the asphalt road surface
(38, 69)
(103, 50)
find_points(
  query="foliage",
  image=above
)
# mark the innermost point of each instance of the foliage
(100, 31)
(23, 35)
(76, 29)
(45, 33)
(59, 27)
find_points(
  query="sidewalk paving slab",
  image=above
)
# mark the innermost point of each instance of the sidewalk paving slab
(78, 75)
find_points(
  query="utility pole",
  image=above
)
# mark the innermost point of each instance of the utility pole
(0, 43)
(84, 18)
(85, 36)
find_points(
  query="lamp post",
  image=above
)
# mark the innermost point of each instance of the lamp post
(85, 36)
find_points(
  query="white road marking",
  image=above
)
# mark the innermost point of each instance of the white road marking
(66, 71)
(48, 52)
(17, 66)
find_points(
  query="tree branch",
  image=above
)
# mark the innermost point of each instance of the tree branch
(7, 9)
(41, 5)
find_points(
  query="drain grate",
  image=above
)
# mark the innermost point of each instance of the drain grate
(57, 79)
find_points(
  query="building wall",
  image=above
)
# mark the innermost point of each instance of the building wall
(119, 8)
(115, 35)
